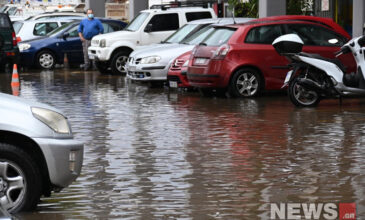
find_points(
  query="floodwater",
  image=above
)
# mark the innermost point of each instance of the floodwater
(155, 154)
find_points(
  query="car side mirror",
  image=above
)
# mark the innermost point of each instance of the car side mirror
(65, 35)
(148, 28)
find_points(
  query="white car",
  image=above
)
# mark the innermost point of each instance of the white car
(148, 27)
(151, 63)
(28, 30)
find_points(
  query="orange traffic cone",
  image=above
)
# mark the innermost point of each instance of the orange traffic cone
(15, 84)
(65, 60)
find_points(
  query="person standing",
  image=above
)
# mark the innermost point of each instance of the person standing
(88, 28)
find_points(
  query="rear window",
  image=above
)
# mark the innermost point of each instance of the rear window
(264, 34)
(4, 22)
(219, 36)
(17, 26)
(191, 16)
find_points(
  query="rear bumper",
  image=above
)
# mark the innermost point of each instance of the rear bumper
(206, 80)
(61, 155)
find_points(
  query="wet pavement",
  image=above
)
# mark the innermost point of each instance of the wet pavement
(155, 154)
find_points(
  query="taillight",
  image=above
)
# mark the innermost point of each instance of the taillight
(221, 52)
(14, 39)
(18, 39)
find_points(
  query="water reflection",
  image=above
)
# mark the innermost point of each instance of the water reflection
(154, 154)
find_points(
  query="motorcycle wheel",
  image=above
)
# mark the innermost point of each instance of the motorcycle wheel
(301, 96)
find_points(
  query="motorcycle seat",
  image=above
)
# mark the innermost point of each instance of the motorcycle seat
(337, 62)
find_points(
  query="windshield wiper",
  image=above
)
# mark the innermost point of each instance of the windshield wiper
(203, 44)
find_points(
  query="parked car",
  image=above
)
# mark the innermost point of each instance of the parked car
(45, 52)
(152, 64)
(38, 154)
(28, 30)
(148, 27)
(9, 52)
(176, 77)
(241, 59)
(51, 15)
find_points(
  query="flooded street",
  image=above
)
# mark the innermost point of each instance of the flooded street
(155, 154)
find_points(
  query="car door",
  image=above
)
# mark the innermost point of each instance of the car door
(159, 28)
(320, 40)
(72, 45)
(258, 51)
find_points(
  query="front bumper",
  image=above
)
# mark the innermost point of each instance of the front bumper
(179, 77)
(147, 72)
(63, 168)
(99, 53)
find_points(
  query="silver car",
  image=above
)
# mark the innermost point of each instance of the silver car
(151, 63)
(38, 154)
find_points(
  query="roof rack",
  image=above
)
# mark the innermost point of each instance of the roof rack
(203, 4)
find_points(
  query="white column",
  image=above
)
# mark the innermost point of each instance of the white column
(358, 18)
(98, 6)
(135, 6)
(271, 8)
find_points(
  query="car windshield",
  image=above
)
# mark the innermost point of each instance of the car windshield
(12, 11)
(17, 26)
(180, 34)
(3, 9)
(218, 36)
(199, 36)
(137, 22)
(57, 30)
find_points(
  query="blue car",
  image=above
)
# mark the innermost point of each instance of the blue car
(45, 52)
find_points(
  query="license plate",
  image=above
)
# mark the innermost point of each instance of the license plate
(173, 84)
(200, 61)
(287, 78)
(141, 76)
(91, 56)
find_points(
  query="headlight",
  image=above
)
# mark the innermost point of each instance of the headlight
(103, 43)
(149, 60)
(23, 47)
(54, 120)
(186, 63)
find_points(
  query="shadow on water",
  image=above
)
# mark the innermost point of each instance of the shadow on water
(155, 154)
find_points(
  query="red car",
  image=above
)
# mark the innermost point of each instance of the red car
(240, 58)
(176, 77)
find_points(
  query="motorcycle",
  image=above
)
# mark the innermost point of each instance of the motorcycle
(312, 77)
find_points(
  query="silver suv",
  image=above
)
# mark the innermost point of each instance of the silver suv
(38, 154)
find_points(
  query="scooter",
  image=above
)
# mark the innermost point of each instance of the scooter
(313, 77)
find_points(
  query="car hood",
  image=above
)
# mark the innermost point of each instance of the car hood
(34, 40)
(166, 53)
(116, 36)
(13, 103)
(151, 47)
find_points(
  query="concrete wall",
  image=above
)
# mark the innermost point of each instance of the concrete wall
(272, 8)
(135, 6)
(98, 6)
(358, 18)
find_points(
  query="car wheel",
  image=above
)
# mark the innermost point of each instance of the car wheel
(20, 180)
(46, 60)
(118, 62)
(245, 82)
(103, 67)
(302, 97)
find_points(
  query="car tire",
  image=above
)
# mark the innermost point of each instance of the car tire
(118, 62)
(245, 83)
(46, 59)
(103, 67)
(19, 170)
